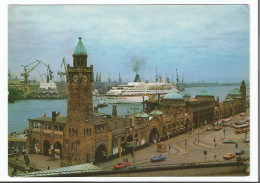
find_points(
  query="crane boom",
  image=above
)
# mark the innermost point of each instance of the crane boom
(26, 74)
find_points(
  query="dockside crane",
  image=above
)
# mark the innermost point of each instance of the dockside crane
(11, 76)
(62, 74)
(49, 72)
(26, 74)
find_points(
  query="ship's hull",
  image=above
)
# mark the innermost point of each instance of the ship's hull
(122, 99)
(125, 99)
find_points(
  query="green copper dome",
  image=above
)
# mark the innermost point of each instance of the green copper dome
(156, 112)
(141, 115)
(204, 93)
(235, 91)
(172, 96)
(80, 49)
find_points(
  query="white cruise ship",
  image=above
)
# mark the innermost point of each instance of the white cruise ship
(135, 92)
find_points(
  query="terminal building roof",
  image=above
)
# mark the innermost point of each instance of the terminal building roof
(172, 96)
(204, 93)
(141, 115)
(235, 91)
(156, 112)
(49, 119)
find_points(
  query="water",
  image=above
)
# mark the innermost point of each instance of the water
(20, 111)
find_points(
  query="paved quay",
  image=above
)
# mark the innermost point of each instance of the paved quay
(193, 152)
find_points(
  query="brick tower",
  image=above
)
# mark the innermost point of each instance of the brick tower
(79, 141)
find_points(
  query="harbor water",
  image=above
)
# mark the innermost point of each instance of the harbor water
(21, 110)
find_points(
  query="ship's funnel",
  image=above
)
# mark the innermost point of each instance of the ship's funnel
(137, 78)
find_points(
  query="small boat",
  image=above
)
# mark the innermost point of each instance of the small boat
(102, 103)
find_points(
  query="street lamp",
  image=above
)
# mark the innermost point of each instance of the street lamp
(185, 144)
(205, 153)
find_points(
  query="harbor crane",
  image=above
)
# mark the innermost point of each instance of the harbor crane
(62, 74)
(26, 74)
(49, 72)
(11, 76)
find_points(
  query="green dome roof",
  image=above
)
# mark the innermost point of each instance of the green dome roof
(172, 96)
(156, 112)
(235, 91)
(80, 49)
(141, 115)
(204, 93)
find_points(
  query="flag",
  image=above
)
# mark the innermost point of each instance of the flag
(44, 116)
(58, 114)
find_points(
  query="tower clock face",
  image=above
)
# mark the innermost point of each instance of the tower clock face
(85, 78)
(75, 78)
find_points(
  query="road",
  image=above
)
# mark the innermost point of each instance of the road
(194, 151)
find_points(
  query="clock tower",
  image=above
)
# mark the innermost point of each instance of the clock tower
(79, 141)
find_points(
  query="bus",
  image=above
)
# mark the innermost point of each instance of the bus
(241, 128)
(217, 126)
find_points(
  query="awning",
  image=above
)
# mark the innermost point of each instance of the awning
(75, 169)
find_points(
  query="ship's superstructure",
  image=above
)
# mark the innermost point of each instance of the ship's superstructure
(138, 91)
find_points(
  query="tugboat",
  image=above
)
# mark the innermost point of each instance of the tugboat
(102, 104)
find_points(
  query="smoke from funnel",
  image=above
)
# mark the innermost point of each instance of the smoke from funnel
(137, 63)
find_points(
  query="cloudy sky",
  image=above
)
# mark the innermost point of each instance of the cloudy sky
(204, 42)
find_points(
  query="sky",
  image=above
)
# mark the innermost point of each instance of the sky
(207, 43)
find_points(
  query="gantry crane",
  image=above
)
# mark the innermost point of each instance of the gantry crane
(62, 74)
(26, 74)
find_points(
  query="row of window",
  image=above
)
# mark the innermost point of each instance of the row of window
(87, 131)
(48, 126)
(100, 129)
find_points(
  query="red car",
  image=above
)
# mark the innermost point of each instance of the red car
(121, 165)
(229, 156)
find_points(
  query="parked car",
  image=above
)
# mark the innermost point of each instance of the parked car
(229, 156)
(121, 165)
(239, 152)
(209, 129)
(158, 158)
(228, 142)
(242, 114)
(226, 122)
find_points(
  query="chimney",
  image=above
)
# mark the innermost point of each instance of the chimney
(114, 111)
(53, 115)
